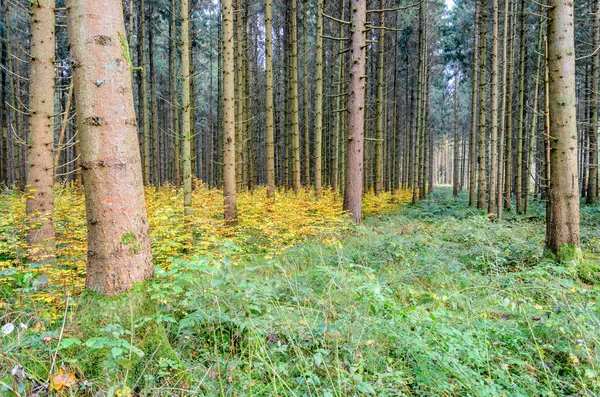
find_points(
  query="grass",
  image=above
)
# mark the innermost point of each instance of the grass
(429, 300)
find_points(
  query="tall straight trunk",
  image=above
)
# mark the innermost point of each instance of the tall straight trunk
(534, 117)
(305, 104)
(11, 149)
(154, 106)
(508, 162)
(521, 126)
(143, 48)
(418, 158)
(294, 97)
(239, 96)
(229, 167)
(494, 130)
(186, 105)
(319, 99)
(475, 91)
(40, 178)
(501, 140)
(481, 155)
(592, 193)
(356, 111)
(455, 173)
(269, 124)
(174, 73)
(379, 129)
(563, 222)
(118, 237)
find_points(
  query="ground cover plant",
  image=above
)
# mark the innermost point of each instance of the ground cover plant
(433, 299)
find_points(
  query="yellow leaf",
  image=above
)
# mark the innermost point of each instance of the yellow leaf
(62, 380)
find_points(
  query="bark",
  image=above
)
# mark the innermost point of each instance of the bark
(592, 193)
(520, 159)
(319, 100)
(356, 112)
(455, 173)
(481, 155)
(144, 94)
(305, 102)
(379, 129)
(294, 97)
(494, 130)
(40, 178)
(563, 230)
(501, 141)
(229, 169)
(508, 186)
(186, 104)
(474, 95)
(118, 240)
(270, 140)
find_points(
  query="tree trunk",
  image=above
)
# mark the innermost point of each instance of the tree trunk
(40, 178)
(379, 130)
(455, 173)
(294, 97)
(501, 141)
(592, 194)
(143, 48)
(563, 221)
(269, 100)
(475, 91)
(356, 111)
(319, 100)
(494, 131)
(229, 168)
(519, 170)
(118, 239)
(186, 104)
(481, 156)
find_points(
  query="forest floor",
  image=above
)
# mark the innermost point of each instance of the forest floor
(426, 300)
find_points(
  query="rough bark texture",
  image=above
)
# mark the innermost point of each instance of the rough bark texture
(473, 140)
(319, 100)
(494, 121)
(356, 112)
(563, 222)
(592, 194)
(118, 240)
(481, 155)
(40, 178)
(379, 130)
(294, 97)
(269, 124)
(520, 160)
(229, 169)
(186, 105)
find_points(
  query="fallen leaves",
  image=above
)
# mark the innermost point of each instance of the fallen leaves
(62, 379)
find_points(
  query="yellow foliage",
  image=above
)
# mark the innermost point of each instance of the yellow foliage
(62, 380)
(266, 228)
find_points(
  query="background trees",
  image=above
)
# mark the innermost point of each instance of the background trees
(423, 123)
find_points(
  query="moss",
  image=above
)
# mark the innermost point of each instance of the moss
(569, 255)
(589, 269)
(133, 311)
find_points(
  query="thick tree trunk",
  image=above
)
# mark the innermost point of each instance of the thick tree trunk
(118, 239)
(40, 178)
(229, 168)
(563, 220)
(356, 112)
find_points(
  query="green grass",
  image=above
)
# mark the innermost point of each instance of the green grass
(433, 300)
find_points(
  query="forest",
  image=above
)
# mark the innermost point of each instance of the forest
(299, 198)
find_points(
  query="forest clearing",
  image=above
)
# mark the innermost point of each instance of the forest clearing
(299, 198)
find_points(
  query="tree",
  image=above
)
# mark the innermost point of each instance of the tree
(269, 124)
(481, 155)
(379, 130)
(494, 131)
(229, 167)
(40, 178)
(475, 84)
(356, 111)
(592, 194)
(186, 104)
(319, 99)
(562, 236)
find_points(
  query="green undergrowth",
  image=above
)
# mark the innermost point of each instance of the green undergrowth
(432, 300)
